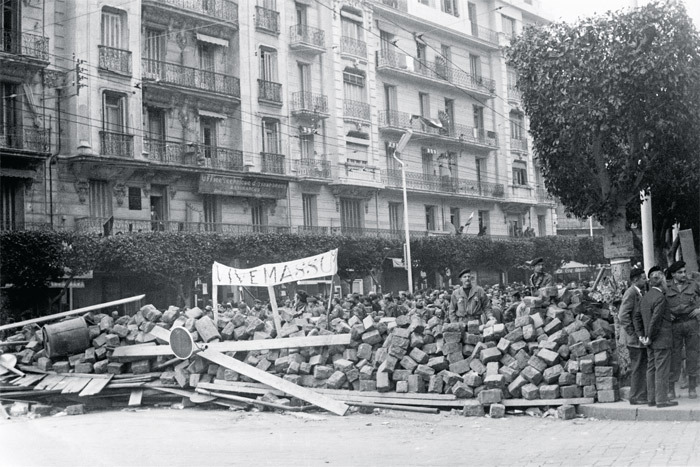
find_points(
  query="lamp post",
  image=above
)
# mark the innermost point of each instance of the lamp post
(399, 149)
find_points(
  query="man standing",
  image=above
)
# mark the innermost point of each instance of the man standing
(540, 278)
(638, 354)
(683, 298)
(653, 328)
(469, 302)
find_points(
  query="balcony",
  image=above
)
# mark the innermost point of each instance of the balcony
(442, 184)
(224, 10)
(307, 38)
(351, 46)
(543, 196)
(116, 144)
(513, 95)
(312, 169)
(399, 121)
(191, 78)
(25, 139)
(272, 163)
(401, 5)
(485, 34)
(193, 155)
(115, 60)
(267, 20)
(358, 173)
(126, 226)
(518, 144)
(269, 92)
(24, 44)
(356, 110)
(309, 104)
(439, 72)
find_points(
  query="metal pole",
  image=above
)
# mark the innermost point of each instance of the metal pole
(647, 230)
(590, 226)
(405, 225)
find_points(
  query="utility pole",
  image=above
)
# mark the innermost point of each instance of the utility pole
(647, 230)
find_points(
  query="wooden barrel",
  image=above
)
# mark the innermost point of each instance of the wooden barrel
(66, 338)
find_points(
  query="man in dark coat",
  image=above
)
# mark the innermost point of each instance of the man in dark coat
(653, 328)
(683, 298)
(540, 278)
(469, 302)
(638, 354)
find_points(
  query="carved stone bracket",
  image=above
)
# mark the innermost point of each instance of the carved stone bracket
(119, 191)
(54, 79)
(82, 187)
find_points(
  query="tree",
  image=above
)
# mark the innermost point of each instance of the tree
(613, 105)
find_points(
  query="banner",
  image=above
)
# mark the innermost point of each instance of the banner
(325, 264)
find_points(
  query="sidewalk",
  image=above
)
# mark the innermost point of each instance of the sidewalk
(687, 410)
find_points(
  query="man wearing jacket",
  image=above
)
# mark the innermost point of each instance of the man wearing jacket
(469, 302)
(683, 298)
(638, 354)
(653, 328)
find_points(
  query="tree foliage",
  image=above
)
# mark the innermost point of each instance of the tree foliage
(613, 105)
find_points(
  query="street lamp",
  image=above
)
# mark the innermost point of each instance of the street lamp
(407, 247)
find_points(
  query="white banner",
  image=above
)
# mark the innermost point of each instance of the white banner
(325, 264)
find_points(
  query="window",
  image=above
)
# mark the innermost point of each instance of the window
(424, 100)
(11, 203)
(391, 100)
(386, 42)
(134, 198)
(512, 78)
(455, 218)
(428, 158)
(519, 173)
(100, 199)
(471, 10)
(396, 217)
(114, 111)
(508, 25)
(208, 139)
(271, 136)
(351, 214)
(207, 67)
(391, 163)
(430, 217)
(424, 2)
(421, 56)
(542, 225)
(156, 124)
(483, 222)
(309, 209)
(306, 147)
(354, 85)
(305, 81)
(448, 117)
(268, 64)
(301, 17)
(450, 6)
(155, 53)
(478, 112)
(516, 125)
(258, 214)
(112, 30)
(351, 29)
(10, 118)
(475, 67)
(357, 153)
(212, 211)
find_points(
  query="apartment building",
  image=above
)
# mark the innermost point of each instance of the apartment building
(267, 115)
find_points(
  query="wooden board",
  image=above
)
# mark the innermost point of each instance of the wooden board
(61, 385)
(95, 386)
(541, 402)
(135, 397)
(292, 389)
(49, 382)
(29, 380)
(134, 352)
(160, 333)
(75, 385)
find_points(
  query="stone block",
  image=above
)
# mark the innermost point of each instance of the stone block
(589, 391)
(530, 392)
(497, 411)
(570, 392)
(585, 379)
(553, 326)
(490, 355)
(606, 383)
(549, 391)
(514, 388)
(608, 395)
(372, 337)
(462, 391)
(435, 384)
(401, 386)
(336, 380)
(322, 372)
(551, 375)
(494, 382)
(537, 363)
(463, 366)
(490, 396)
(424, 371)
(531, 375)
(419, 356)
(548, 356)
(599, 345)
(77, 409)
(438, 363)
(473, 409)
(602, 371)
(477, 366)
(416, 384)
(601, 358)
(503, 345)
(567, 379)
(586, 366)
(566, 412)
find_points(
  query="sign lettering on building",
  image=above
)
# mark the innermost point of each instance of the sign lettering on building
(239, 186)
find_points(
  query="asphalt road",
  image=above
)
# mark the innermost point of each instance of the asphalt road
(195, 436)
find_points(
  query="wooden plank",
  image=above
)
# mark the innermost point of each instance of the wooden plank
(76, 385)
(292, 389)
(49, 382)
(159, 333)
(72, 312)
(135, 397)
(95, 386)
(61, 385)
(144, 351)
(541, 402)
(29, 380)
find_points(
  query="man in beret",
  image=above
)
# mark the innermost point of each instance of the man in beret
(654, 329)
(638, 354)
(539, 278)
(683, 298)
(469, 302)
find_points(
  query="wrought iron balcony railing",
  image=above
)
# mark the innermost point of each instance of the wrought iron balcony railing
(116, 144)
(486, 34)
(24, 43)
(466, 134)
(190, 77)
(437, 70)
(513, 94)
(220, 9)
(518, 144)
(306, 35)
(269, 91)
(272, 163)
(309, 102)
(312, 168)
(356, 109)
(443, 184)
(121, 225)
(28, 139)
(193, 154)
(401, 5)
(267, 20)
(116, 60)
(351, 46)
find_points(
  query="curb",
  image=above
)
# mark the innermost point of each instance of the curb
(685, 412)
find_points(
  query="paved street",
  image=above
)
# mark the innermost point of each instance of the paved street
(218, 437)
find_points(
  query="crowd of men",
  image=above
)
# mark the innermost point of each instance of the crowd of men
(659, 318)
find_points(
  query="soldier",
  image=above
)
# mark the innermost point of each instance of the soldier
(683, 298)
(540, 278)
(469, 301)
(654, 329)
(638, 355)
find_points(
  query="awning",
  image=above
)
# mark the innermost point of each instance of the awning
(206, 113)
(397, 263)
(212, 40)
